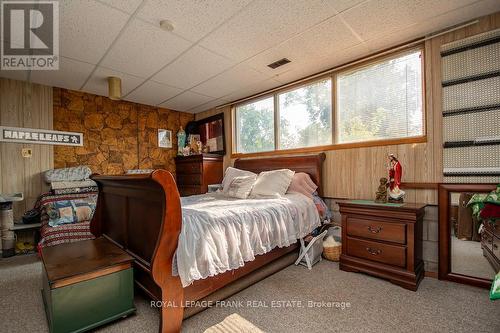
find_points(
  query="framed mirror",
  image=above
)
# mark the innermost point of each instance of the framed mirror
(211, 132)
(468, 245)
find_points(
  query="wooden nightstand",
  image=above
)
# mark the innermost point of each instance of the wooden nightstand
(383, 240)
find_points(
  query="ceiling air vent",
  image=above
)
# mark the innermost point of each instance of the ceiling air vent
(279, 63)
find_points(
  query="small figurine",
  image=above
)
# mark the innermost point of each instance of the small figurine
(395, 175)
(186, 151)
(381, 195)
(181, 141)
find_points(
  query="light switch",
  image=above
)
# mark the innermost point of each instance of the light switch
(26, 152)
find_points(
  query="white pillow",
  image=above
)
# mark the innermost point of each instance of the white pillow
(272, 183)
(231, 173)
(240, 187)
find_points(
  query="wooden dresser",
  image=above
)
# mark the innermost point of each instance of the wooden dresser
(385, 241)
(194, 173)
(490, 243)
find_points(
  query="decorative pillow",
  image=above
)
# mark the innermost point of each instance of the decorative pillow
(70, 211)
(272, 183)
(302, 183)
(232, 173)
(240, 187)
(68, 174)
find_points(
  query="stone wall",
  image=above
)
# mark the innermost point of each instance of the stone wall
(118, 135)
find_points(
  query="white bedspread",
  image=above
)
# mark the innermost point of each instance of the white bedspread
(220, 233)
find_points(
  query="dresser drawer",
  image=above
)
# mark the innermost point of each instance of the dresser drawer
(487, 240)
(188, 168)
(194, 179)
(375, 251)
(496, 247)
(186, 191)
(379, 230)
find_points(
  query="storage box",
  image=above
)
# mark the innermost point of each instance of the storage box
(86, 284)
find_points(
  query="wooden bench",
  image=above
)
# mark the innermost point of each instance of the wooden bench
(86, 284)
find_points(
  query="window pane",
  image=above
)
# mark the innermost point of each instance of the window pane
(255, 126)
(382, 101)
(306, 116)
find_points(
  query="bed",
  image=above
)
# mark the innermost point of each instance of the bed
(142, 214)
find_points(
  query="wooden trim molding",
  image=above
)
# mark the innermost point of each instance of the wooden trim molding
(90, 276)
(420, 186)
(364, 144)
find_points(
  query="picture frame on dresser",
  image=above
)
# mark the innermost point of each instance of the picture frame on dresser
(448, 216)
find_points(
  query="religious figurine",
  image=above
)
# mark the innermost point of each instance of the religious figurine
(181, 141)
(381, 195)
(395, 175)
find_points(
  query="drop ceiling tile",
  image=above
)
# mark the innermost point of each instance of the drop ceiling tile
(253, 89)
(264, 24)
(208, 106)
(128, 6)
(70, 75)
(331, 36)
(437, 23)
(185, 101)
(191, 19)
(98, 83)
(337, 58)
(143, 49)
(193, 67)
(366, 19)
(232, 80)
(15, 75)
(341, 5)
(152, 93)
(87, 29)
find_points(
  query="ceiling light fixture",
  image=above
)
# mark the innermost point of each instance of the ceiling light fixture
(166, 25)
(114, 88)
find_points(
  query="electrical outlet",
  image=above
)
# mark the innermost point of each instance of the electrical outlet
(26, 152)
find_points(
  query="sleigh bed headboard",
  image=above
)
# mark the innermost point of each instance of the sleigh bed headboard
(310, 164)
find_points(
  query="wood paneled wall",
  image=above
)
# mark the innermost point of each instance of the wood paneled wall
(24, 105)
(354, 173)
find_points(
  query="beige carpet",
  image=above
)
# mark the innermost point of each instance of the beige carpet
(467, 258)
(375, 305)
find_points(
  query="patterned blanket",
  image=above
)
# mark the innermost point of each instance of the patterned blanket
(66, 233)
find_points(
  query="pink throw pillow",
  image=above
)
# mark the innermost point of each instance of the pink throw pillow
(302, 183)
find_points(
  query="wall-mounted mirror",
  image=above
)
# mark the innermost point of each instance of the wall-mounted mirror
(468, 245)
(211, 132)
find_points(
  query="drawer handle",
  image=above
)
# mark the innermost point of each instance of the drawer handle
(373, 252)
(374, 230)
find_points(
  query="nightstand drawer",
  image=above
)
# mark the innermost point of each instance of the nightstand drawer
(378, 230)
(189, 179)
(375, 251)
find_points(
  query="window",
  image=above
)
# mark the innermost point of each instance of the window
(381, 101)
(305, 116)
(255, 126)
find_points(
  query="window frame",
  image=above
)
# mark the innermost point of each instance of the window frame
(335, 145)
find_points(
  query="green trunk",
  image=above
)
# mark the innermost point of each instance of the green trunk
(88, 304)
